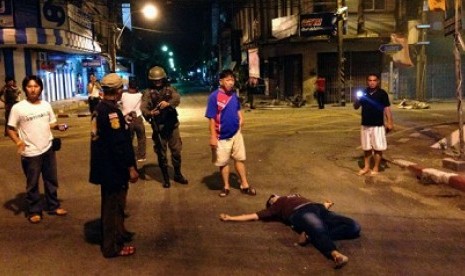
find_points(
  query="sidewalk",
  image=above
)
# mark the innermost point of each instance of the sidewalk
(70, 107)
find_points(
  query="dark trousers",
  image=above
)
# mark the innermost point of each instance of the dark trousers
(112, 217)
(137, 127)
(323, 226)
(320, 96)
(8, 108)
(33, 167)
(174, 142)
(93, 102)
(250, 99)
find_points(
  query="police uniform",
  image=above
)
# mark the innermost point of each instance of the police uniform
(165, 128)
(112, 155)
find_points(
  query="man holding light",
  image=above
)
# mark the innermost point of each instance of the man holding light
(376, 122)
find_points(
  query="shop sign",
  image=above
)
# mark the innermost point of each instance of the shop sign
(91, 63)
(315, 24)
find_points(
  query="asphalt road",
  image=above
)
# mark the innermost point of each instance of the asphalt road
(408, 228)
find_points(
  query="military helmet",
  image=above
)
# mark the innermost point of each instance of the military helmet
(157, 73)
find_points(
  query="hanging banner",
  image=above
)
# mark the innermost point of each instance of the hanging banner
(315, 24)
(254, 63)
(283, 27)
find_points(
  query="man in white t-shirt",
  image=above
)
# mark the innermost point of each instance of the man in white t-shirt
(131, 110)
(29, 126)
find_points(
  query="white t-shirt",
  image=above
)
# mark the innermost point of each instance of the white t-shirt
(131, 102)
(33, 124)
(94, 89)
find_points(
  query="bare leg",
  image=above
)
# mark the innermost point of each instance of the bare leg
(240, 168)
(366, 158)
(378, 157)
(224, 170)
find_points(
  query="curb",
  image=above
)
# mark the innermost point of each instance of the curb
(453, 180)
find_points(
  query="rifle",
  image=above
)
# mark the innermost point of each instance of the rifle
(162, 161)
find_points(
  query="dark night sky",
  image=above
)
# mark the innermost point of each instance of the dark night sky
(181, 25)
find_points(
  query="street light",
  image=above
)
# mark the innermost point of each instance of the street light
(150, 12)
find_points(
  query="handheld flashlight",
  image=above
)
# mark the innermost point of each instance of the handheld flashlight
(359, 94)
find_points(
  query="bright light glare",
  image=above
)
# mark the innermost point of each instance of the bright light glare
(164, 48)
(150, 11)
(170, 54)
(359, 94)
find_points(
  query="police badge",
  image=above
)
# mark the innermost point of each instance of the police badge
(114, 120)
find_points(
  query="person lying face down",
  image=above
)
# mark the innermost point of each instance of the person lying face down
(316, 223)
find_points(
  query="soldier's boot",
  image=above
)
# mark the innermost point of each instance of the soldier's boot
(166, 177)
(178, 177)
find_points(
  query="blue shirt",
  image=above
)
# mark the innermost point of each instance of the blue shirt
(224, 109)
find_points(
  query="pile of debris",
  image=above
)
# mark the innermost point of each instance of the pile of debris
(405, 104)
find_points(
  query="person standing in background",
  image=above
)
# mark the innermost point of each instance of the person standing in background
(9, 95)
(131, 102)
(252, 89)
(320, 88)
(93, 90)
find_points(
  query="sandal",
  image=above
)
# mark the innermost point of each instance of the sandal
(34, 219)
(224, 192)
(249, 191)
(127, 251)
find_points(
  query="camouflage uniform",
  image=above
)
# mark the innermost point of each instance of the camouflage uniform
(165, 129)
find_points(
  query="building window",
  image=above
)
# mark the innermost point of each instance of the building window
(374, 5)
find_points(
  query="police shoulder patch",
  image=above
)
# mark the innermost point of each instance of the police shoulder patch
(114, 120)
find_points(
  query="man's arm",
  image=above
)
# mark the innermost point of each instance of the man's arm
(213, 134)
(175, 98)
(13, 134)
(356, 103)
(388, 118)
(146, 105)
(245, 217)
(241, 118)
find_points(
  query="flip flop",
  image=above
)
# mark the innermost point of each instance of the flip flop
(127, 251)
(249, 191)
(363, 172)
(224, 192)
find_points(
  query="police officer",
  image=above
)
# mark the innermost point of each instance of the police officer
(112, 166)
(158, 106)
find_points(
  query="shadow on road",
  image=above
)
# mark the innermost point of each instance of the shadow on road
(17, 205)
(92, 231)
(215, 182)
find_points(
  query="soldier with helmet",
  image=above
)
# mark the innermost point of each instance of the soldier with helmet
(158, 107)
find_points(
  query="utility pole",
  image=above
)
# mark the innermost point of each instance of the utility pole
(112, 37)
(340, 50)
(421, 58)
(458, 74)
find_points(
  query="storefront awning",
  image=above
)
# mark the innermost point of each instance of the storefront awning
(53, 39)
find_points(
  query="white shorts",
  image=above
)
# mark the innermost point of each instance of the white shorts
(373, 138)
(229, 148)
